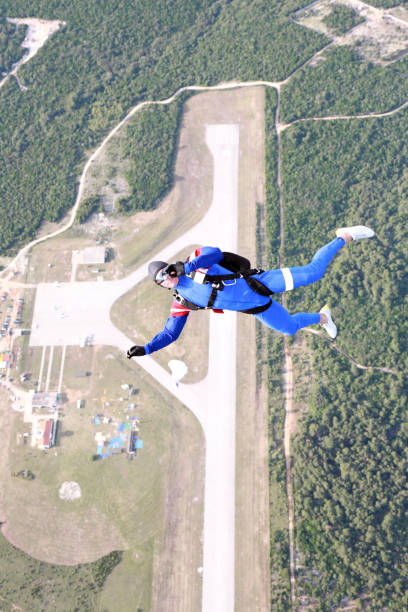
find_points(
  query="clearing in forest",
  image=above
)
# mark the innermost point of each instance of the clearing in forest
(382, 36)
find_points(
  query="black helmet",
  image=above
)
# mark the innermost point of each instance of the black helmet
(155, 267)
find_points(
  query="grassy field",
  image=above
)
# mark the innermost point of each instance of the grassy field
(40, 586)
(51, 261)
(123, 503)
(252, 494)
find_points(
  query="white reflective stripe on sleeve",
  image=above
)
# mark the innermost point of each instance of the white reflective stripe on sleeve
(287, 275)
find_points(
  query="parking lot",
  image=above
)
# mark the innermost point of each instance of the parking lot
(11, 315)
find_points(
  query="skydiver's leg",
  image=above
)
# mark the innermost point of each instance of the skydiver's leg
(285, 279)
(279, 319)
(313, 271)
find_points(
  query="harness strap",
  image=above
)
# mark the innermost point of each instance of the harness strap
(217, 282)
(186, 303)
(216, 287)
(191, 306)
(257, 309)
(218, 278)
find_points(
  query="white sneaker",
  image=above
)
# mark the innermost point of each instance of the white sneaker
(329, 326)
(356, 232)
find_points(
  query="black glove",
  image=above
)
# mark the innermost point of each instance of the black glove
(176, 269)
(136, 351)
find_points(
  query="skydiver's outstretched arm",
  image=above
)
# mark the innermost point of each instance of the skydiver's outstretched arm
(171, 331)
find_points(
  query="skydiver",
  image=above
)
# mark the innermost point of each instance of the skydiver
(202, 282)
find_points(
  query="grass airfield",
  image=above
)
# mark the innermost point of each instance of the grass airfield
(123, 502)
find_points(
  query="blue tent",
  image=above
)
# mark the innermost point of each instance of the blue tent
(116, 442)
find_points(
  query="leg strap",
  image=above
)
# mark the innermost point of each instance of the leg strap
(257, 309)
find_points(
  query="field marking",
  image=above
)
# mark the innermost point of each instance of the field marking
(47, 382)
(41, 368)
(64, 350)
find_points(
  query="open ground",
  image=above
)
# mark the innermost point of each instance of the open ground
(381, 38)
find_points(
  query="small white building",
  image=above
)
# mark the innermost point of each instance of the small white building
(93, 255)
(44, 400)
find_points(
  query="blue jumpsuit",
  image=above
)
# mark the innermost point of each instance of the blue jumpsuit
(237, 295)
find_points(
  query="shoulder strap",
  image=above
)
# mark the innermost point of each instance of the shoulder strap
(191, 306)
(218, 278)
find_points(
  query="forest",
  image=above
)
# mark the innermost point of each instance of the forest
(344, 85)
(150, 177)
(342, 18)
(147, 149)
(270, 350)
(39, 586)
(112, 55)
(108, 57)
(350, 464)
(349, 454)
(385, 3)
(10, 45)
(335, 172)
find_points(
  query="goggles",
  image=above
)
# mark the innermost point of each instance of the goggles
(161, 276)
